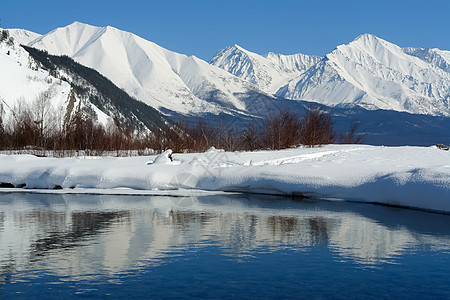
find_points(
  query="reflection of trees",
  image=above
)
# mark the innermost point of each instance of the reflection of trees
(6, 269)
(281, 225)
(239, 232)
(319, 228)
(183, 218)
(242, 234)
(84, 225)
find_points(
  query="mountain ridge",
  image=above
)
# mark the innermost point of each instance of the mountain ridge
(163, 79)
(369, 72)
(267, 71)
(368, 79)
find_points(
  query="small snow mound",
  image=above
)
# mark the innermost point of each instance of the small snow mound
(164, 158)
(213, 149)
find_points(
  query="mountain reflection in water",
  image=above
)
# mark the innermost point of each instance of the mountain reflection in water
(90, 236)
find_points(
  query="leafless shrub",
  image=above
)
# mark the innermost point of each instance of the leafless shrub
(281, 130)
(39, 126)
(317, 128)
(352, 136)
(251, 139)
(3, 137)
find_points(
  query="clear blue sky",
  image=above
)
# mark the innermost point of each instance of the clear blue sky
(201, 27)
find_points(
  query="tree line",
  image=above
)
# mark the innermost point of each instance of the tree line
(39, 126)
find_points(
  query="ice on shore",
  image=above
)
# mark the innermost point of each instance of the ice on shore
(416, 177)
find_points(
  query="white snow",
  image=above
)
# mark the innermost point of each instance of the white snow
(22, 36)
(21, 81)
(368, 72)
(161, 78)
(417, 177)
(268, 72)
(376, 74)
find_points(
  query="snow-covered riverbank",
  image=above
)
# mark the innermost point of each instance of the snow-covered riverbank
(416, 177)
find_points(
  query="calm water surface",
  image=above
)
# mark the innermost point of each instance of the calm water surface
(90, 246)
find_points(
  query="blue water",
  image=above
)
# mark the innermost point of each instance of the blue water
(87, 246)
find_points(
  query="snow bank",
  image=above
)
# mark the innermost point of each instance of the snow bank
(417, 177)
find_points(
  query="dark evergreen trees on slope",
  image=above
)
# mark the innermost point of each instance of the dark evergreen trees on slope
(109, 98)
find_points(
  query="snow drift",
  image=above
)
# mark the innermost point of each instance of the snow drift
(417, 177)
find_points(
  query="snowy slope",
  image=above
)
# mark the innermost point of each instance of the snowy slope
(374, 73)
(22, 36)
(416, 177)
(24, 83)
(21, 81)
(159, 77)
(268, 72)
(436, 57)
(368, 72)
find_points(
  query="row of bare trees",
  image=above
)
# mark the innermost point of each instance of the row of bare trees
(279, 131)
(38, 126)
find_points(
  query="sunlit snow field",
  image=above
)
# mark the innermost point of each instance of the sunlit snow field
(416, 177)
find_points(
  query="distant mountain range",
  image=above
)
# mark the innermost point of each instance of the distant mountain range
(369, 72)
(168, 81)
(368, 76)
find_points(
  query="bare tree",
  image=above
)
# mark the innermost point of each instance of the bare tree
(3, 138)
(5, 35)
(282, 130)
(317, 128)
(24, 130)
(352, 137)
(250, 139)
(45, 117)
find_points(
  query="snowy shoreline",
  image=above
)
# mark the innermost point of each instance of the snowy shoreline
(416, 177)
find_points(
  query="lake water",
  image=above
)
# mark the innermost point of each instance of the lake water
(221, 246)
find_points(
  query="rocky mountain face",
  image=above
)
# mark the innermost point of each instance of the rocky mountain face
(268, 72)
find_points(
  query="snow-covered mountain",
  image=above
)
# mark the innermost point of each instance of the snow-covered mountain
(33, 80)
(161, 78)
(22, 36)
(368, 72)
(23, 83)
(436, 57)
(374, 73)
(268, 72)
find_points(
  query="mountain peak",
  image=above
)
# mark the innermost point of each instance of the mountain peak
(80, 25)
(238, 48)
(375, 73)
(268, 72)
(366, 36)
(75, 26)
(368, 40)
(23, 36)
